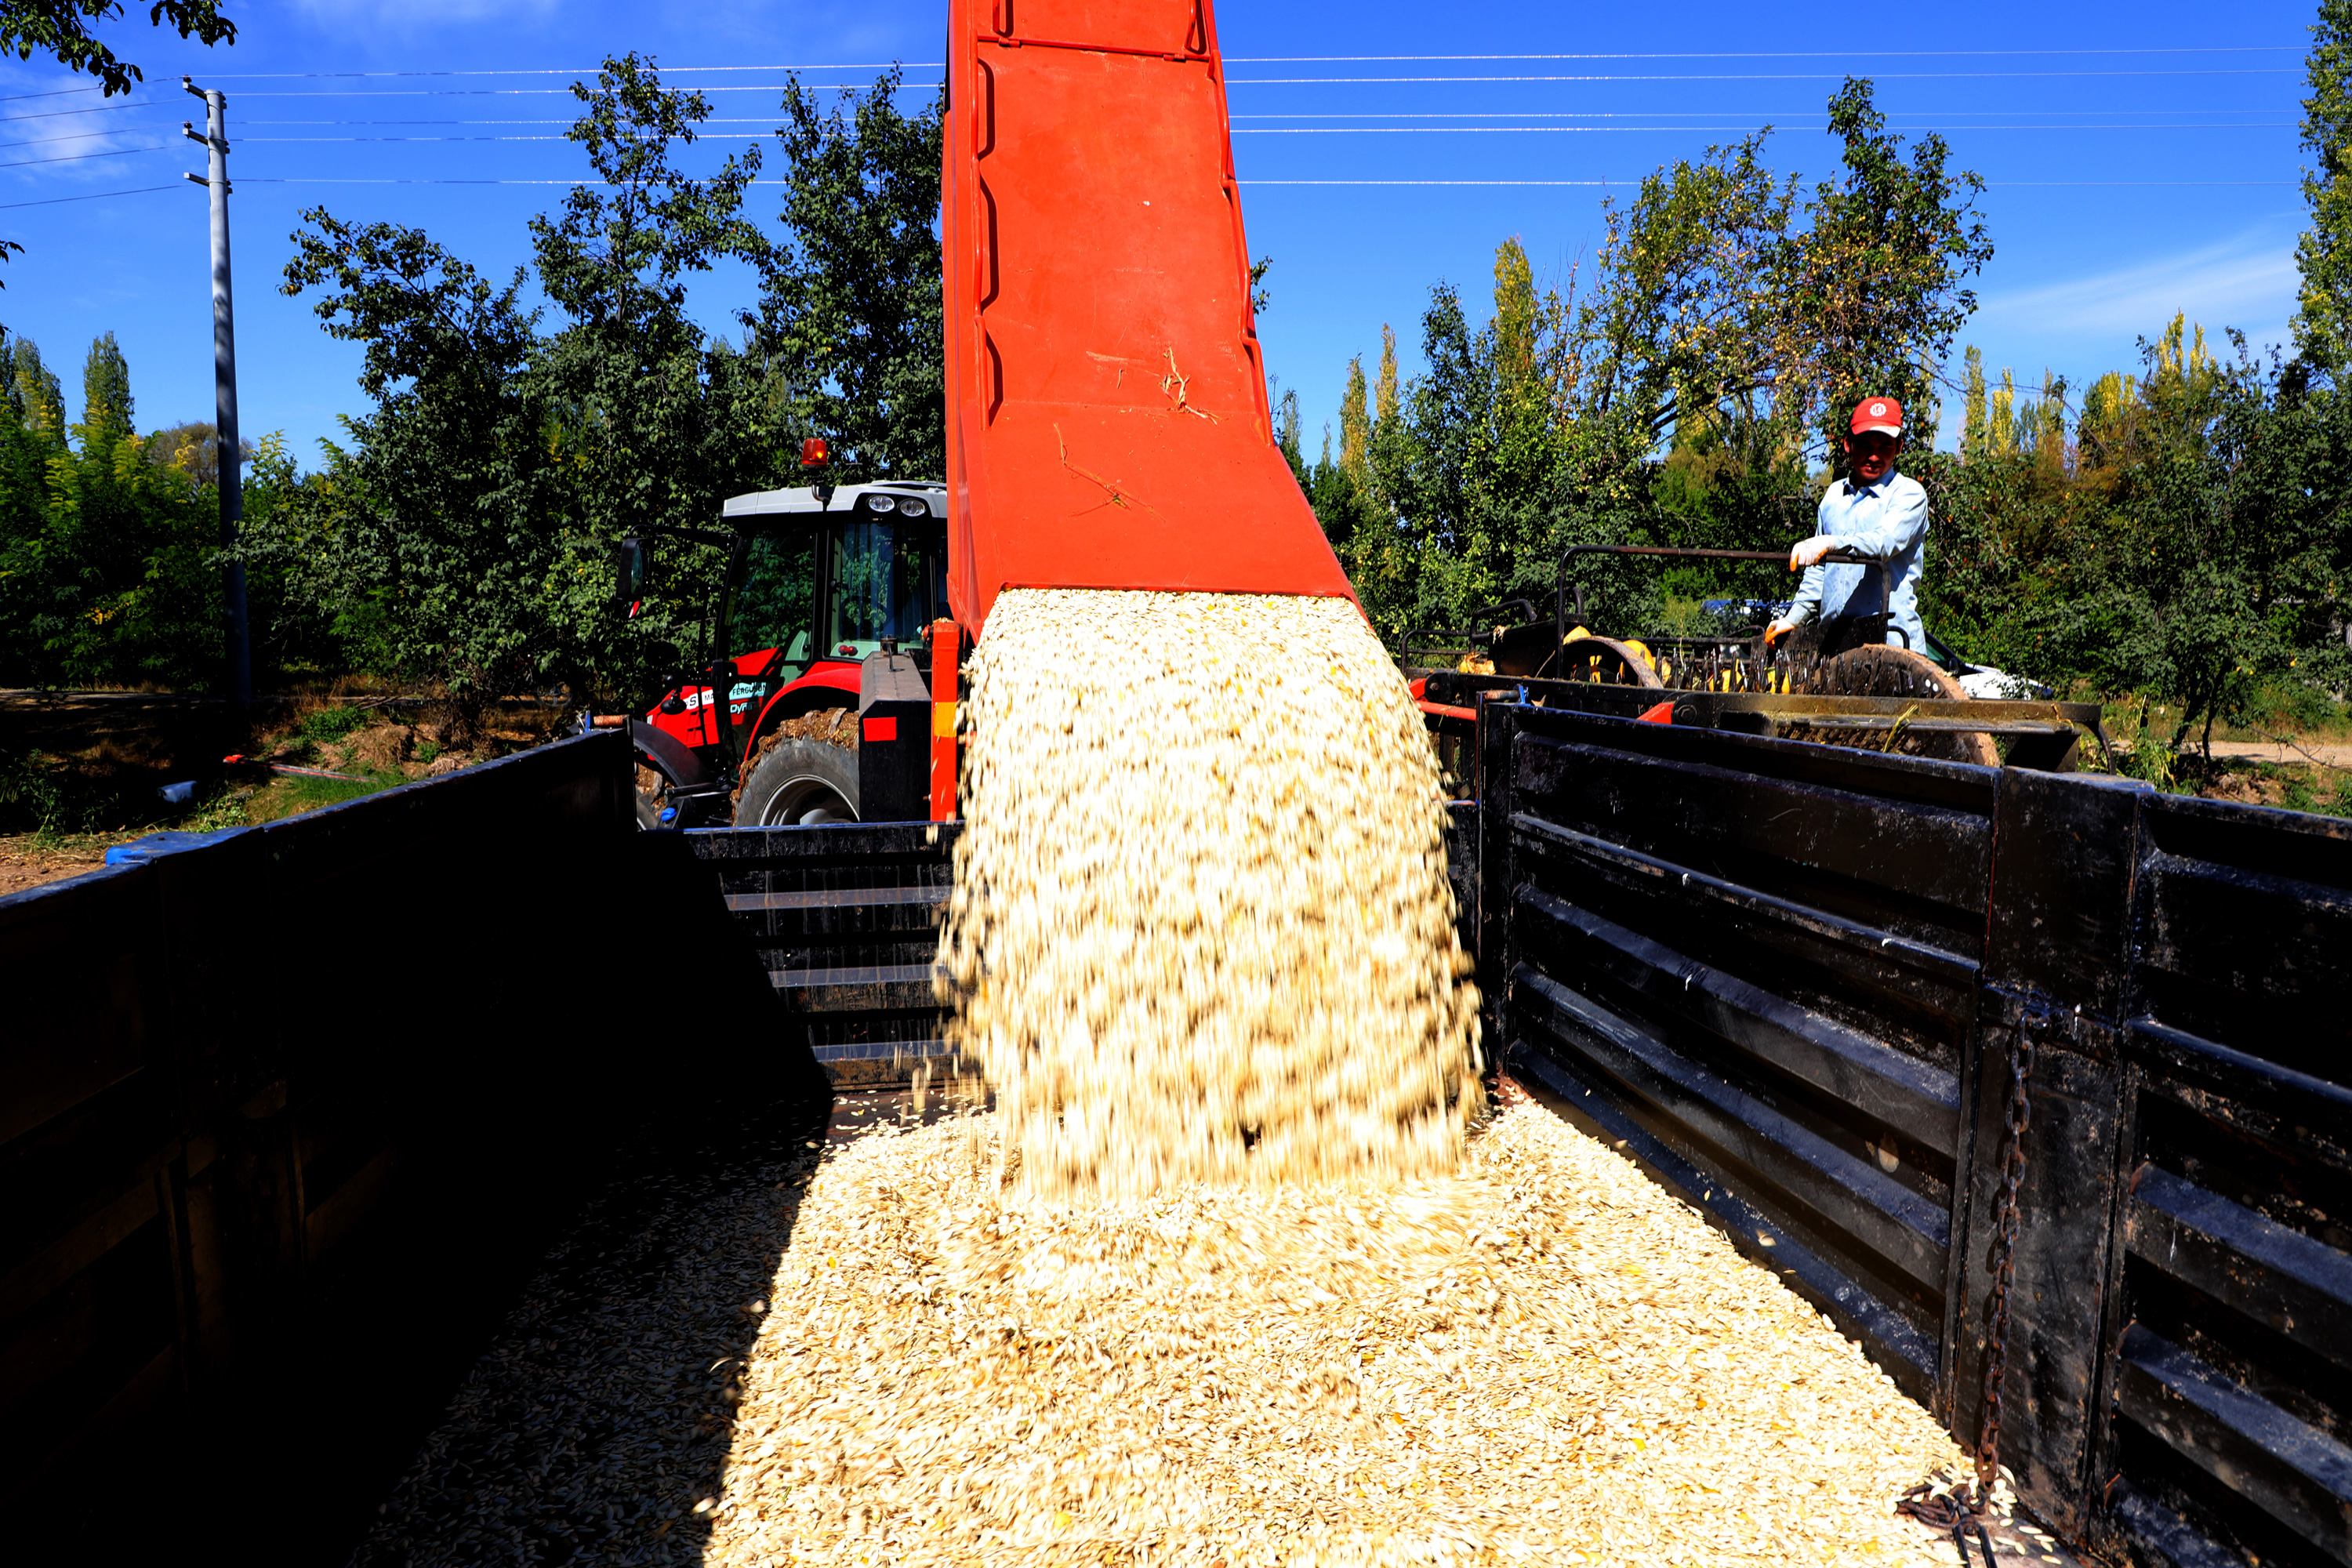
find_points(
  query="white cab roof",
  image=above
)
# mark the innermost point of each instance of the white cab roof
(802, 499)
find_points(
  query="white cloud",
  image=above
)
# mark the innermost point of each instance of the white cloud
(2247, 282)
(64, 130)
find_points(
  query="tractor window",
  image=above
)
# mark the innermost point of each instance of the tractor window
(885, 583)
(775, 599)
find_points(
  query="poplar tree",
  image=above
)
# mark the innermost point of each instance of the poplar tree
(106, 404)
(1973, 429)
(2323, 320)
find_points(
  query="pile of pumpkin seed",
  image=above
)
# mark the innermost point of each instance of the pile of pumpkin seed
(1239, 1269)
(1200, 926)
(1540, 1358)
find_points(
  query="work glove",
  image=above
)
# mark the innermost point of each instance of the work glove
(1810, 552)
(1777, 630)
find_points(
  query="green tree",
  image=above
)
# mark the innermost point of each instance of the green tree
(1974, 419)
(462, 535)
(654, 419)
(849, 314)
(435, 531)
(106, 561)
(2323, 321)
(2226, 568)
(1877, 289)
(61, 29)
(1728, 322)
(106, 394)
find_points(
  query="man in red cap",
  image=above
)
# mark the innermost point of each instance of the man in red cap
(1879, 515)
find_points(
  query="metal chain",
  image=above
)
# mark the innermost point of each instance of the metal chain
(1954, 1511)
(1951, 1513)
(2022, 1045)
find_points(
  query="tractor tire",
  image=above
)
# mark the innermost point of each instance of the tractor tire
(799, 783)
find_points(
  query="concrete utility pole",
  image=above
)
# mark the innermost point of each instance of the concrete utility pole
(230, 451)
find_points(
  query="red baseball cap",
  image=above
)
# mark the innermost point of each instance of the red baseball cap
(1878, 414)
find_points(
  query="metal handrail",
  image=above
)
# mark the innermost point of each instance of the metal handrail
(1485, 617)
(1559, 581)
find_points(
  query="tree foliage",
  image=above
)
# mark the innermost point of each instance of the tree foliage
(2323, 321)
(110, 540)
(462, 534)
(849, 314)
(61, 30)
(1675, 397)
(2187, 537)
(2179, 530)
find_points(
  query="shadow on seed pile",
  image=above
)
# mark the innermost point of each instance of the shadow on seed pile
(603, 1412)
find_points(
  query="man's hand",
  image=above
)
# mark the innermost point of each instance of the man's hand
(1810, 552)
(1777, 630)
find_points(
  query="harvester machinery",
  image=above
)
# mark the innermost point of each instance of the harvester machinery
(1108, 428)
(1841, 683)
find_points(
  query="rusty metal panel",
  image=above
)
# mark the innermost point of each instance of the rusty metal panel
(2229, 1322)
(1754, 964)
(2058, 912)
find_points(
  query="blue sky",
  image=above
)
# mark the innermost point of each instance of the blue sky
(2150, 172)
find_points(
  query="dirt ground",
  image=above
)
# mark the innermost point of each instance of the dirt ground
(27, 862)
(104, 755)
(2333, 755)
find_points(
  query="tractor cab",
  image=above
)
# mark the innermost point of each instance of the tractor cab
(816, 588)
(821, 581)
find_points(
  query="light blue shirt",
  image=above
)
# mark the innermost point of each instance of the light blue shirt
(1886, 523)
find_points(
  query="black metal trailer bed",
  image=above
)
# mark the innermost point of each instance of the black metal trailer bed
(265, 1091)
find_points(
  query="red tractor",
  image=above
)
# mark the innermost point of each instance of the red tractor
(830, 593)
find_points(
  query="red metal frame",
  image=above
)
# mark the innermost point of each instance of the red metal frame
(1107, 424)
(946, 650)
(693, 729)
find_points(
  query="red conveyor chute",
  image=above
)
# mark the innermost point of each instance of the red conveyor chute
(1107, 424)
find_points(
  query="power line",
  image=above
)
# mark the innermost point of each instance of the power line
(90, 196)
(94, 109)
(560, 91)
(1443, 114)
(77, 157)
(69, 136)
(1306, 60)
(60, 92)
(1899, 122)
(1752, 75)
(572, 70)
(1435, 182)
(1991, 184)
(1774, 55)
(1321, 81)
(1531, 129)
(420, 179)
(1346, 131)
(1237, 130)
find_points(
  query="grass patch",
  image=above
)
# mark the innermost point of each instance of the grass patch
(2298, 791)
(325, 726)
(291, 794)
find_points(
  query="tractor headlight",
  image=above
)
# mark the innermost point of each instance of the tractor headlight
(879, 503)
(911, 507)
